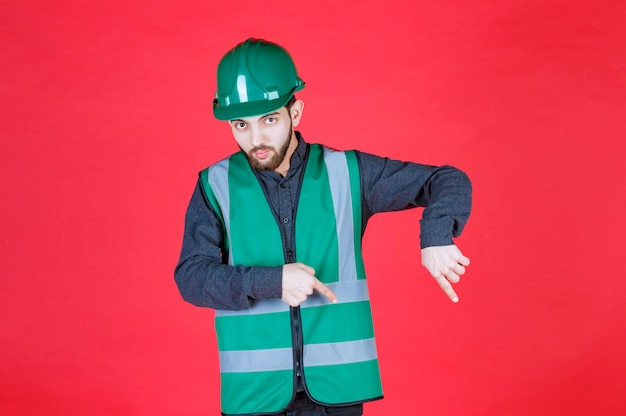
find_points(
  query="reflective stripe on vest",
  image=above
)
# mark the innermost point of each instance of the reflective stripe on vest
(256, 351)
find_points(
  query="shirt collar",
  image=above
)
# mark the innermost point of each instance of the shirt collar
(299, 155)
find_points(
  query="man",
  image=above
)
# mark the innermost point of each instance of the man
(273, 243)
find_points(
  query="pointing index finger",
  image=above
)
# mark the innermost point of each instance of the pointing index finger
(325, 290)
(447, 288)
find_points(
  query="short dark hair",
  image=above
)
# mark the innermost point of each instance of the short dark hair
(290, 103)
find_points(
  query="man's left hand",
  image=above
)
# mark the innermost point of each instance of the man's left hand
(446, 264)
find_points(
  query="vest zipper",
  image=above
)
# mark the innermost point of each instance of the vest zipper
(296, 325)
(296, 333)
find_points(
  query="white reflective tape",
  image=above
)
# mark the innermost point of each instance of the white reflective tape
(315, 355)
(242, 89)
(339, 179)
(340, 352)
(274, 359)
(259, 307)
(347, 292)
(218, 180)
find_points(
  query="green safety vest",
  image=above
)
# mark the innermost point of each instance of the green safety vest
(340, 363)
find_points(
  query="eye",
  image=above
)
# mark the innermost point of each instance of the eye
(239, 125)
(270, 120)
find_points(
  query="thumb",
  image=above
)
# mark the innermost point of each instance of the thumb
(310, 270)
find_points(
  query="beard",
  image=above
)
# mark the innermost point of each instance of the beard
(273, 162)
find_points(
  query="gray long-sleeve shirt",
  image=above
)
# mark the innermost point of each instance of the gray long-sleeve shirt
(204, 278)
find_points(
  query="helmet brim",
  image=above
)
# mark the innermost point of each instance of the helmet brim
(250, 109)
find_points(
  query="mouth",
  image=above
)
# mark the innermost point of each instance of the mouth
(262, 154)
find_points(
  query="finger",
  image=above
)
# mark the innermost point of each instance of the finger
(291, 301)
(325, 290)
(299, 297)
(462, 260)
(447, 288)
(452, 276)
(458, 269)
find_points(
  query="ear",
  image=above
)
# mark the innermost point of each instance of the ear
(296, 112)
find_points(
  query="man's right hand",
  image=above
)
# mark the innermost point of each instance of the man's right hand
(299, 281)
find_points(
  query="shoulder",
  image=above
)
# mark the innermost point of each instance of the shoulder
(223, 162)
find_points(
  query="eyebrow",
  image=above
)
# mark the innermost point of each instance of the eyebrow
(264, 116)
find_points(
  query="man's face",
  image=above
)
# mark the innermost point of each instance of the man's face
(265, 139)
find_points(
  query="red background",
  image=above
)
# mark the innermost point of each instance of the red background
(106, 120)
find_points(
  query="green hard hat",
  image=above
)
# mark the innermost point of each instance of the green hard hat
(254, 78)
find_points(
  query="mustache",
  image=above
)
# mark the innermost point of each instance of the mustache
(260, 147)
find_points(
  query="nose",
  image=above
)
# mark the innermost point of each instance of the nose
(256, 136)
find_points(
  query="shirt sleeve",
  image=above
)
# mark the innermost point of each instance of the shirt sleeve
(445, 193)
(202, 275)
